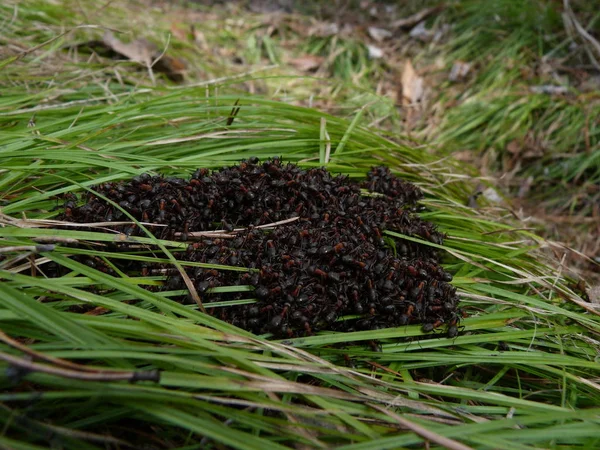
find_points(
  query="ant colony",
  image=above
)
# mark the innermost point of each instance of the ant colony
(316, 246)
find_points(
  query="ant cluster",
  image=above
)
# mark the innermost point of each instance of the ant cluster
(328, 266)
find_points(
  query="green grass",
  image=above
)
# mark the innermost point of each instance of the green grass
(517, 46)
(522, 374)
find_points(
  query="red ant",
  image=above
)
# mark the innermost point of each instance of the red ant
(428, 327)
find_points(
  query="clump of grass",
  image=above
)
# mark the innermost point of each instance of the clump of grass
(504, 36)
(543, 127)
(507, 41)
(348, 59)
(521, 374)
(506, 114)
(510, 293)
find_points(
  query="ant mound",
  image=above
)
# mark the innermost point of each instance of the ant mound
(316, 246)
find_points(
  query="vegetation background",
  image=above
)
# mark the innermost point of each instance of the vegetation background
(490, 107)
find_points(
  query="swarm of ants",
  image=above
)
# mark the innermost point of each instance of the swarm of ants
(316, 245)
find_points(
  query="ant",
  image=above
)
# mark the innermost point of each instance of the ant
(453, 325)
(429, 327)
(375, 346)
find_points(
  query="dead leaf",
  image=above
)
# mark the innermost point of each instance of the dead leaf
(459, 71)
(549, 89)
(379, 34)
(307, 63)
(464, 155)
(139, 50)
(411, 96)
(533, 146)
(421, 33)
(492, 195)
(590, 84)
(180, 33)
(412, 85)
(595, 295)
(324, 30)
(514, 147)
(411, 21)
(348, 30)
(441, 32)
(525, 187)
(199, 38)
(173, 68)
(97, 311)
(374, 52)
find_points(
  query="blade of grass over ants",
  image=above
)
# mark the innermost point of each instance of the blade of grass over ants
(322, 144)
(164, 249)
(340, 148)
(24, 306)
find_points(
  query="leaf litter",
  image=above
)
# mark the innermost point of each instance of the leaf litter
(140, 51)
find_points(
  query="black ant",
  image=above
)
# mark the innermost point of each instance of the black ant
(429, 327)
(454, 327)
(375, 346)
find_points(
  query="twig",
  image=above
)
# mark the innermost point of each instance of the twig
(87, 149)
(219, 80)
(410, 21)
(44, 223)
(74, 102)
(211, 234)
(142, 375)
(274, 224)
(507, 230)
(231, 234)
(224, 134)
(49, 41)
(56, 239)
(327, 146)
(59, 362)
(29, 248)
(191, 287)
(150, 64)
(158, 58)
(234, 112)
(583, 33)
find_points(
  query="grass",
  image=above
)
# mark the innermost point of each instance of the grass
(522, 374)
(541, 147)
(506, 53)
(514, 47)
